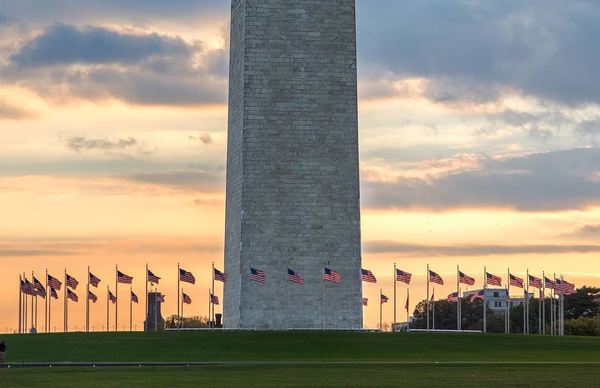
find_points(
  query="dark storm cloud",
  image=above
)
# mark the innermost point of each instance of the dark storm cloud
(63, 44)
(97, 63)
(473, 250)
(549, 181)
(477, 50)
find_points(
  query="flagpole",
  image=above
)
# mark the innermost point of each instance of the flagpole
(87, 303)
(212, 317)
(178, 294)
(380, 310)
(508, 300)
(209, 300)
(427, 297)
(433, 309)
(552, 309)
(543, 302)
(146, 305)
(130, 308)
(394, 292)
(562, 306)
(117, 296)
(20, 304)
(527, 300)
(484, 300)
(407, 308)
(66, 312)
(457, 299)
(50, 309)
(33, 296)
(46, 305)
(156, 308)
(107, 308)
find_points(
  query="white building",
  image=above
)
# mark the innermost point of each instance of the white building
(497, 300)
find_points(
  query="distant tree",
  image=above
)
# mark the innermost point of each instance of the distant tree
(582, 303)
(583, 326)
(173, 322)
(445, 316)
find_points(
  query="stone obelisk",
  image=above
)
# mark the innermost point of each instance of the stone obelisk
(292, 166)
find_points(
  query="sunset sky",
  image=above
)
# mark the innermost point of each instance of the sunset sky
(479, 139)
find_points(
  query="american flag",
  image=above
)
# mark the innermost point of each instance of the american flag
(134, 298)
(71, 282)
(54, 282)
(549, 283)
(94, 280)
(92, 297)
(125, 279)
(111, 297)
(402, 276)
(38, 288)
(406, 306)
(516, 281)
(26, 287)
(186, 276)
(464, 279)
(214, 299)
(432, 300)
(453, 298)
(493, 280)
(71, 295)
(480, 295)
(220, 276)
(367, 276)
(384, 299)
(186, 298)
(564, 288)
(331, 276)
(53, 293)
(365, 301)
(256, 275)
(152, 278)
(435, 278)
(535, 282)
(160, 298)
(295, 277)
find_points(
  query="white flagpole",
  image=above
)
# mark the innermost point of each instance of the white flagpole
(107, 309)
(178, 295)
(544, 302)
(146, 305)
(380, 310)
(87, 303)
(117, 297)
(66, 312)
(484, 300)
(508, 303)
(48, 296)
(457, 299)
(433, 309)
(407, 308)
(20, 305)
(527, 331)
(212, 317)
(427, 297)
(395, 293)
(130, 308)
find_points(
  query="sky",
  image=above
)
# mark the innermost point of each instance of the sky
(479, 144)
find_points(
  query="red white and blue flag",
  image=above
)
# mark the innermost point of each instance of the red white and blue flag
(54, 282)
(256, 275)
(365, 301)
(464, 279)
(549, 283)
(111, 297)
(453, 298)
(214, 299)
(134, 297)
(71, 282)
(71, 295)
(186, 298)
(331, 276)
(565, 288)
(92, 297)
(295, 277)
(27, 287)
(367, 276)
(493, 280)
(480, 295)
(38, 288)
(53, 293)
(516, 281)
(403, 277)
(220, 276)
(384, 299)
(152, 278)
(535, 282)
(186, 276)
(94, 280)
(125, 279)
(435, 278)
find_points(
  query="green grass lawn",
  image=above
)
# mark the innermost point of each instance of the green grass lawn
(477, 358)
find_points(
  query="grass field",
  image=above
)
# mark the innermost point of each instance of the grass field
(308, 359)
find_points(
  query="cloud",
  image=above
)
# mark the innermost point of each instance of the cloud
(473, 250)
(589, 128)
(203, 138)
(548, 181)
(589, 230)
(11, 112)
(97, 63)
(80, 143)
(193, 180)
(479, 50)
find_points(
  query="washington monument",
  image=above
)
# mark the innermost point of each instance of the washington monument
(292, 166)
